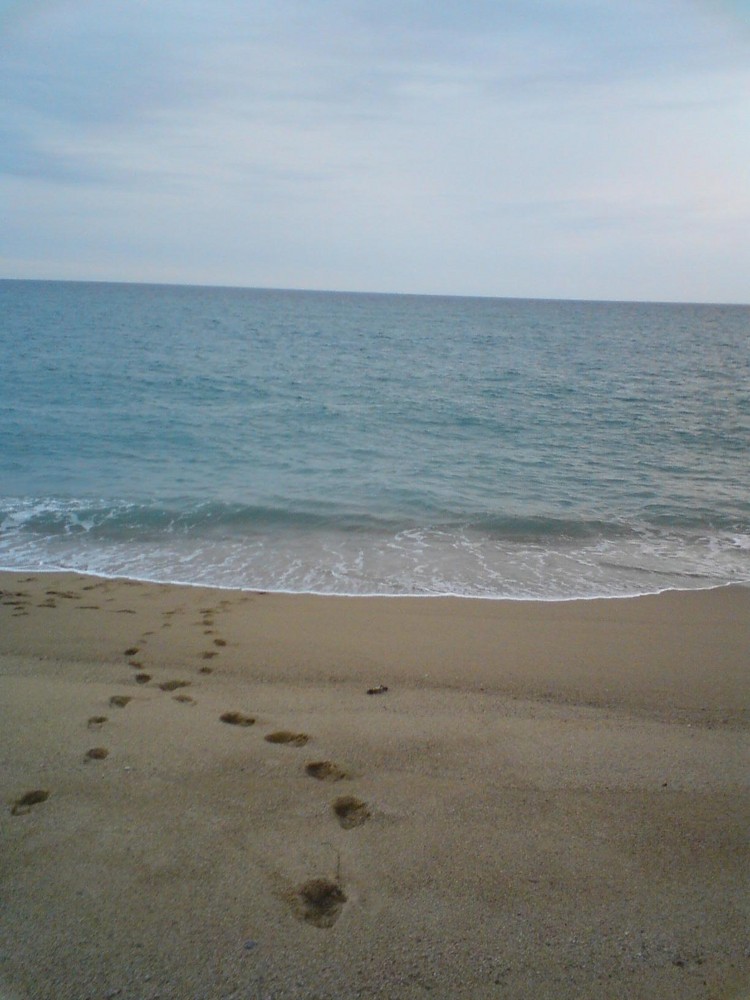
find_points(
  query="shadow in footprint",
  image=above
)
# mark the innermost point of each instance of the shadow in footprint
(96, 721)
(319, 902)
(119, 700)
(290, 739)
(237, 719)
(142, 678)
(97, 753)
(325, 770)
(350, 811)
(174, 685)
(23, 805)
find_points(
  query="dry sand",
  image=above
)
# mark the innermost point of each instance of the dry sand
(549, 800)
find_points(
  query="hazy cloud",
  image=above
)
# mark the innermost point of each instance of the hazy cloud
(583, 148)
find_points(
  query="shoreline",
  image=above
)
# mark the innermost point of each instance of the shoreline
(499, 598)
(553, 796)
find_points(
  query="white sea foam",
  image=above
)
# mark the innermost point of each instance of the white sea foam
(412, 562)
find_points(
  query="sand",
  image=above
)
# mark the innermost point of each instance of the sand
(550, 800)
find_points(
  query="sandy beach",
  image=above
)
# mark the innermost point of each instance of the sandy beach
(537, 800)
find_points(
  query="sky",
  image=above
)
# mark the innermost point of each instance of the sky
(589, 149)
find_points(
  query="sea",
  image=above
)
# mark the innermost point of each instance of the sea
(359, 444)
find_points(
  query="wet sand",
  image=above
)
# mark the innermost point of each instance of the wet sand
(549, 800)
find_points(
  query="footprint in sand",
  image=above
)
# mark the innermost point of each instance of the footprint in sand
(184, 699)
(209, 654)
(119, 700)
(23, 805)
(206, 670)
(96, 721)
(319, 902)
(220, 642)
(290, 739)
(174, 685)
(142, 678)
(97, 753)
(131, 651)
(325, 770)
(237, 719)
(350, 811)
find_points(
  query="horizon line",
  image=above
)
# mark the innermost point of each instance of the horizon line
(335, 291)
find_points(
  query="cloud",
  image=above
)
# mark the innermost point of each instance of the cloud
(486, 147)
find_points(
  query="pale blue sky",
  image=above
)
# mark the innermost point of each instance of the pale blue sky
(547, 148)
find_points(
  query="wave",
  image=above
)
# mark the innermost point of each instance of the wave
(116, 519)
(326, 550)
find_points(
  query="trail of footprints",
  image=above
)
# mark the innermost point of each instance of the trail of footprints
(318, 901)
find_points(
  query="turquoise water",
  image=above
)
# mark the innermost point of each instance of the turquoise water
(359, 444)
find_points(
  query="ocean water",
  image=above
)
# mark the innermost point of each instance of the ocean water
(374, 444)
